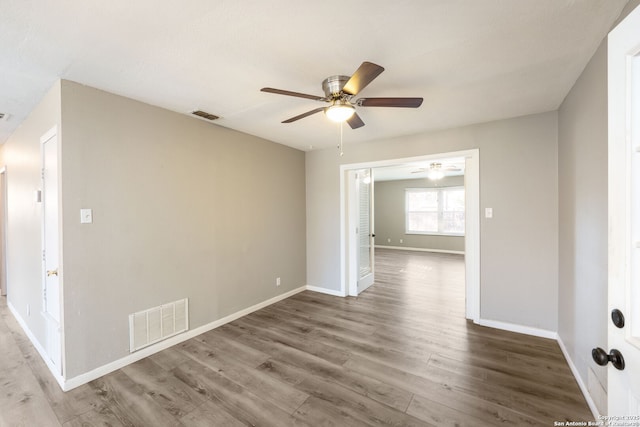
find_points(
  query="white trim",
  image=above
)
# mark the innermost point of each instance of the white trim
(472, 237)
(49, 135)
(623, 206)
(320, 290)
(43, 354)
(408, 248)
(472, 220)
(520, 329)
(69, 384)
(583, 388)
(4, 216)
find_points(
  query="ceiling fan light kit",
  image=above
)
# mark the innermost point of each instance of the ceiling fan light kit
(340, 111)
(340, 92)
(435, 172)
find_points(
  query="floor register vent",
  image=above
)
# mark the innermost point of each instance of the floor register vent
(158, 323)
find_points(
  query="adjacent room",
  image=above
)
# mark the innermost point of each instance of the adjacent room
(336, 213)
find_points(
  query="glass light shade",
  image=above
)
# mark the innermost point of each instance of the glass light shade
(435, 174)
(340, 112)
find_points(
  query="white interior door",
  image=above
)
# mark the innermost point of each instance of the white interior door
(624, 220)
(50, 254)
(3, 231)
(364, 229)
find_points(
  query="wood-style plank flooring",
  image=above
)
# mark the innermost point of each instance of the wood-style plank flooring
(400, 354)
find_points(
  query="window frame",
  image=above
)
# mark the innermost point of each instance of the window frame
(439, 210)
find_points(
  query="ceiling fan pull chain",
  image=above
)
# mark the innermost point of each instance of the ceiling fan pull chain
(340, 146)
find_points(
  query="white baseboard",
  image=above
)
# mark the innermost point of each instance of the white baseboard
(69, 384)
(39, 348)
(326, 291)
(407, 248)
(583, 387)
(512, 327)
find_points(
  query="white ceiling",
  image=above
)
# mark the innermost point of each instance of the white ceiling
(471, 60)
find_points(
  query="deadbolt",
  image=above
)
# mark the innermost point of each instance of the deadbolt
(617, 318)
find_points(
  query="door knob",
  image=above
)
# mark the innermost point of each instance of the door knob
(602, 358)
(52, 272)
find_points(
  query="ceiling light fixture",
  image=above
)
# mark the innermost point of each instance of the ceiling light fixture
(435, 172)
(340, 111)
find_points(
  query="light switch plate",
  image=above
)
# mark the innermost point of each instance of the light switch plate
(86, 216)
(488, 212)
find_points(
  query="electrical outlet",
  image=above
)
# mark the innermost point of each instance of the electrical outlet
(277, 281)
(401, 241)
(388, 240)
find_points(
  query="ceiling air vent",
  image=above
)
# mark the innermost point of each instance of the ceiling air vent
(205, 115)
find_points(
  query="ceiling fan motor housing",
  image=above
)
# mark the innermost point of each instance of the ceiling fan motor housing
(332, 86)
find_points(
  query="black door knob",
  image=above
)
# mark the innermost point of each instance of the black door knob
(617, 318)
(602, 358)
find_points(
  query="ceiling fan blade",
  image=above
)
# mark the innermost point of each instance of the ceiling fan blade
(390, 102)
(362, 77)
(303, 115)
(355, 121)
(289, 93)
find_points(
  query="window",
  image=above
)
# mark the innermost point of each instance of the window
(435, 211)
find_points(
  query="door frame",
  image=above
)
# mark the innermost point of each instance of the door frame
(623, 230)
(58, 371)
(472, 223)
(3, 228)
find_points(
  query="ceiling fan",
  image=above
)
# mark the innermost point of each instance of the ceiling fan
(437, 171)
(340, 92)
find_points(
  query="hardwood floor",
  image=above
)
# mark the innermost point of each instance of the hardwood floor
(400, 354)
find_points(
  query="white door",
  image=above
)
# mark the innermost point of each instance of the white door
(50, 254)
(364, 229)
(3, 231)
(624, 219)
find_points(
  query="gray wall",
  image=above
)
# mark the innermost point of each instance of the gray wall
(389, 215)
(21, 155)
(582, 162)
(518, 179)
(182, 209)
(582, 158)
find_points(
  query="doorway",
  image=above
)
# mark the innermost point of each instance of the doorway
(3, 231)
(52, 282)
(348, 202)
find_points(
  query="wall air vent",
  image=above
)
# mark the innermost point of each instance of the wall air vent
(158, 323)
(205, 115)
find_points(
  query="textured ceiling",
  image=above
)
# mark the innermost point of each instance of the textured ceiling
(471, 60)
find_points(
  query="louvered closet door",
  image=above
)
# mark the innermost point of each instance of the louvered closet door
(364, 193)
